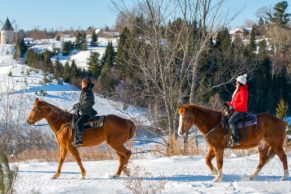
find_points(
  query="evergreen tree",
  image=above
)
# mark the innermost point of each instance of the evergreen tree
(109, 56)
(58, 70)
(122, 55)
(74, 69)
(21, 48)
(67, 72)
(252, 45)
(261, 22)
(94, 64)
(94, 41)
(279, 16)
(261, 93)
(223, 40)
(67, 46)
(81, 42)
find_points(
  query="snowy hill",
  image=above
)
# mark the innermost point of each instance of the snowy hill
(22, 83)
(80, 57)
(178, 175)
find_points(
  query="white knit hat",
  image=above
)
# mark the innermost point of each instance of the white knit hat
(242, 79)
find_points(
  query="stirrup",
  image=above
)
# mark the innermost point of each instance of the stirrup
(77, 144)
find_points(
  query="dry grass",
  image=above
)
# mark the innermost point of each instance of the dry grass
(176, 147)
(142, 183)
(87, 154)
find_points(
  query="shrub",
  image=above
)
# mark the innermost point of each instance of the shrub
(7, 176)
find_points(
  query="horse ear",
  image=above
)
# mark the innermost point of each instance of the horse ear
(181, 109)
(36, 100)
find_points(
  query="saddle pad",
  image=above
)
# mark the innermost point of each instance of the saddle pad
(95, 122)
(250, 120)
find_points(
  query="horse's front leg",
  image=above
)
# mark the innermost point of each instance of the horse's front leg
(75, 153)
(63, 154)
(219, 161)
(209, 156)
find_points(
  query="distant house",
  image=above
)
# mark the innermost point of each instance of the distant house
(242, 33)
(7, 33)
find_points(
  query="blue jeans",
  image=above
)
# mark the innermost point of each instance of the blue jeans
(234, 118)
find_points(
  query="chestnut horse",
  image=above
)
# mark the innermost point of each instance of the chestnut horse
(115, 131)
(268, 135)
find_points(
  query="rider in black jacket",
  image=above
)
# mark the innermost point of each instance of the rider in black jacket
(84, 109)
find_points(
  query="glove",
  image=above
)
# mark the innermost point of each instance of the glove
(76, 106)
(231, 108)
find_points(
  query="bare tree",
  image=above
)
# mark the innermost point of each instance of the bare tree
(168, 49)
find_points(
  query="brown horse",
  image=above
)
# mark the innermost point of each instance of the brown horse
(115, 131)
(268, 135)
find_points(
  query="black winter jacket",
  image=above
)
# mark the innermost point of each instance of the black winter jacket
(85, 105)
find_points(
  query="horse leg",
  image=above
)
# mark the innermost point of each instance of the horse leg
(75, 153)
(63, 154)
(210, 155)
(266, 154)
(219, 162)
(123, 156)
(281, 154)
(120, 166)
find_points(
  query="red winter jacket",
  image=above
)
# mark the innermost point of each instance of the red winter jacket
(240, 100)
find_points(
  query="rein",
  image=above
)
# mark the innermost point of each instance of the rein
(211, 130)
(41, 125)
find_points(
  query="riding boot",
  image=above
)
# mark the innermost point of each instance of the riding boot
(78, 141)
(236, 137)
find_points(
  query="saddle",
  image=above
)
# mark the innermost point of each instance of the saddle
(247, 120)
(94, 122)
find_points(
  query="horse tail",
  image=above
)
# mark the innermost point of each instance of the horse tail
(132, 129)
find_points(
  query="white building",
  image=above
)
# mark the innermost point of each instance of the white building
(7, 33)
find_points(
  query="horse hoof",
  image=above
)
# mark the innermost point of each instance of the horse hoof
(55, 177)
(285, 176)
(217, 180)
(215, 173)
(251, 178)
(115, 176)
(83, 178)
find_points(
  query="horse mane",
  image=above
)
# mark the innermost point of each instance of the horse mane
(202, 110)
(65, 114)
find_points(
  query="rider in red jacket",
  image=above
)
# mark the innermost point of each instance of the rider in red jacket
(239, 104)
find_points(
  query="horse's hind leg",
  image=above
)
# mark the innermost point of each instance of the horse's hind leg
(210, 155)
(123, 156)
(75, 153)
(63, 154)
(264, 158)
(281, 154)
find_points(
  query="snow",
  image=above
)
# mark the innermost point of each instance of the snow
(80, 57)
(180, 174)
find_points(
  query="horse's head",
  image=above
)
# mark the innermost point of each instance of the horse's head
(36, 113)
(185, 120)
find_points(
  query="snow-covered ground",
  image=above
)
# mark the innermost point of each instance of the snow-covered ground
(179, 175)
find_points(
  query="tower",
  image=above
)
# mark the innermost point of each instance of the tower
(7, 33)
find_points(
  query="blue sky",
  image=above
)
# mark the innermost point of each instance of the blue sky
(63, 14)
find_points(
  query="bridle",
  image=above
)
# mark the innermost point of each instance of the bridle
(38, 109)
